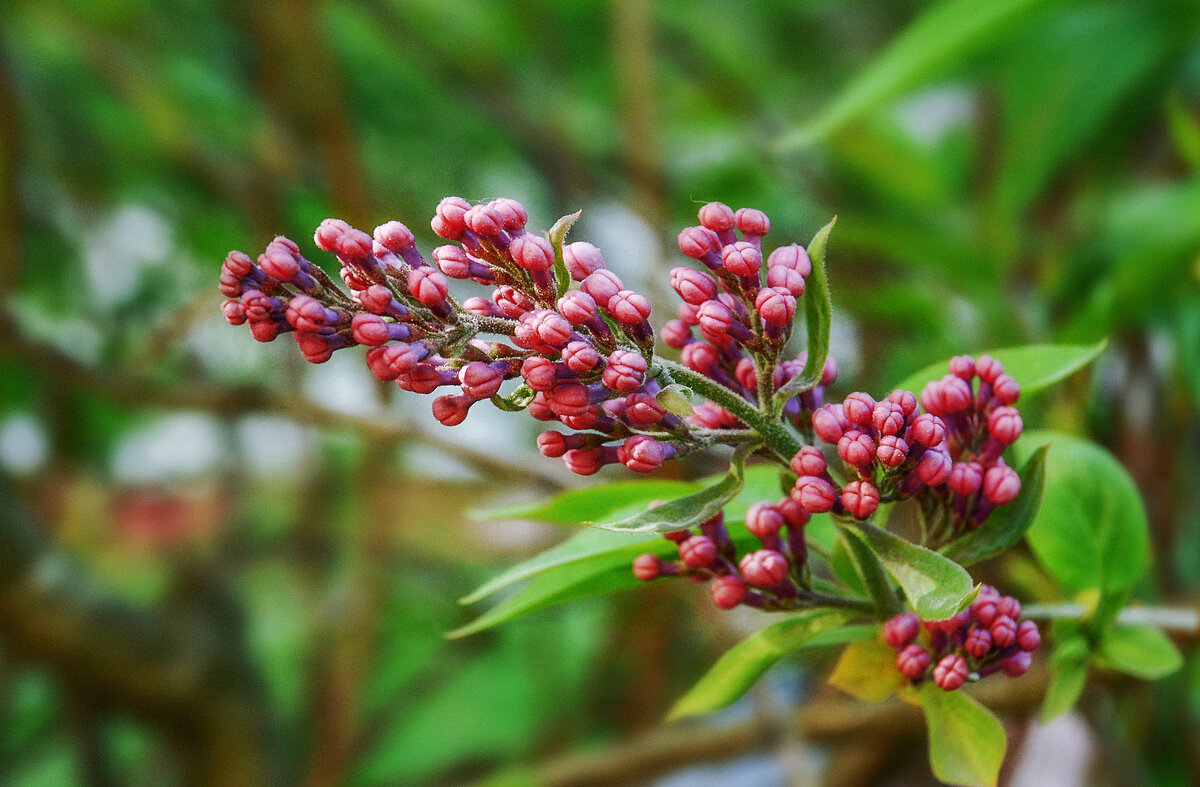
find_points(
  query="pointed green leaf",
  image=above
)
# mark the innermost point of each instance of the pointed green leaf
(966, 740)
(867, 670)
(1034, 366)
(870, 572)
(518, 400)
(1143, 651)
(1008, 523)
(818, 316)
(737, 670)
(557, 235)
(683, 512)
(1068, 675)
(677, 399)
(936, 587)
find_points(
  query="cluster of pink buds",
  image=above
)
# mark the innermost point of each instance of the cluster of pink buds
(987, 637)
(775, 577)
(743, 319)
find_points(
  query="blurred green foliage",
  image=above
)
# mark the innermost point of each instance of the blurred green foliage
(1004, 173)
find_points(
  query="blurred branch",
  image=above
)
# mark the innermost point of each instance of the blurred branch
(182, 668)
(136, 389)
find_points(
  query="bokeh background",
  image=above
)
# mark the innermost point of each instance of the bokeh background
(221, 565)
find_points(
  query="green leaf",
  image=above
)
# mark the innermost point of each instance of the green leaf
(557, 235)
(868, 570)
(684, 512)
(518, 400)
(867, 670)
(1068, 675)
(1091, 529)
(1143, 651)
(737, 670)
(966, 740)
(1008, 523)
(937, 41)
(604, 502)
(1034, 366)
(677, 399)
(818, 315)
(936, 587)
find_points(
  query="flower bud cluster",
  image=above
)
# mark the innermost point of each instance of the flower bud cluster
(987, 637)
(775, 577)
(742, 309)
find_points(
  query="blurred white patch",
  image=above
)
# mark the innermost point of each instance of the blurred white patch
(1057, 753)
(759, 770)
(486, 430)
(23, 444)
(631, 248)
(230, 353)
(171, 447)
(118, 248)
(930, 115)
(845, 346)
(965, 319)
(343, 384)
(273, 447)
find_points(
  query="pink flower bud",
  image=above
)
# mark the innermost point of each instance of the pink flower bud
(698, 552)
(912, 662)
(901, 630)
(513, 215)
(1017, 664)
(451, 410)
(582, 259)
(742, 259)
(962, 366)
(700, 357)
(764, 568)
(480, 380)
(888, 418)
(329, 234)
(234, 312)
(532, 252)
(829, 423)
(752, 222)
(727, 591)
(935, 467)
(642, 409)
(580, 356)
(629, 307)
(699, 242)
(814, 494)
(928, 430)
(764, 520)
(1004, 631)
(369, 329)
(906, 399)
(786, 278)
(428, 286)
(693, 286)
(448, 221)
(1007, 605)
(646, 567)
(988, 368)
(966, 478)
(717, 217)
(584, 461)
(956, 394)
(808, 461)
(602, 285)
(1004, 424)
(978, 642)
(776, 305)
(1028, 636)
(793, 515)
(892, 450)
(552, 444)
(675, 334)
(568, 398)
(793, 258)
(1001, 484)
(453, 261)
(1006, 389)
(394, 236)
(858, 408)
(983, 610)
(857, 449)
(550, 327)
(641, 454)
(540, 373)
(625, 371)
(950, 673)
(860, 498)
(483, 221)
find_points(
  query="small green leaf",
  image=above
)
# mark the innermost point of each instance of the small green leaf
(1142, 651)
(557, 235)
(1068, 675)
(677, 399)
(1008, 523)
(867, 670)
(868, 570)
(1034, 366)
(518, 400)
(818, 315)
(966, 740)
(684, 512)
(936, 587)
(1091, 529)
(737, 670)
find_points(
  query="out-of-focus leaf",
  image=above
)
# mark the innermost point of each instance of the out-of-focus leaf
(1007, 524)
(937, 41)
(1068, 675)
(737, 670)
(966, 740)
(1034, 366)
(1091, 529)
(865, 571)
(1143, 651)
(818, 315)
(684, 512)
(867, 670)
(1185, 130)
(936, 587)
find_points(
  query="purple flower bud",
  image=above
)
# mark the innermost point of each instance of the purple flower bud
(1004, 424)
(646, 567)
(752, 223)
(428, 286)
(983, 610)
(602, 285)
(693, 286)
(776, 305)
(675, 334)
(718, 323)
(480, 380)
(962, 366)
(856, 448)
(988, 368)
(814, 494)
(373, 330)
(1017, 664)
(888, 418)
(717, 217)
(829, 423)
(860, 498)
(698, 552)
(532, 252)
(935, 467)
(912, 662)
(742, 259)
(701, 243)
(425, 378)
(1006, 389)
(808, 461)
(786, 278)
(892, 450)
(1007, 605)
(966, 478)
(629, 307)
(950, 673)
(764, 520)
(1004, 631)
(858, 408)
(451, 410)
(625, 371)
(902, 630)
(1028, 636)
(928, 430)
(764, 568)
(582, 260)
(978, 642)
(727, 591)
(1001, 484)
